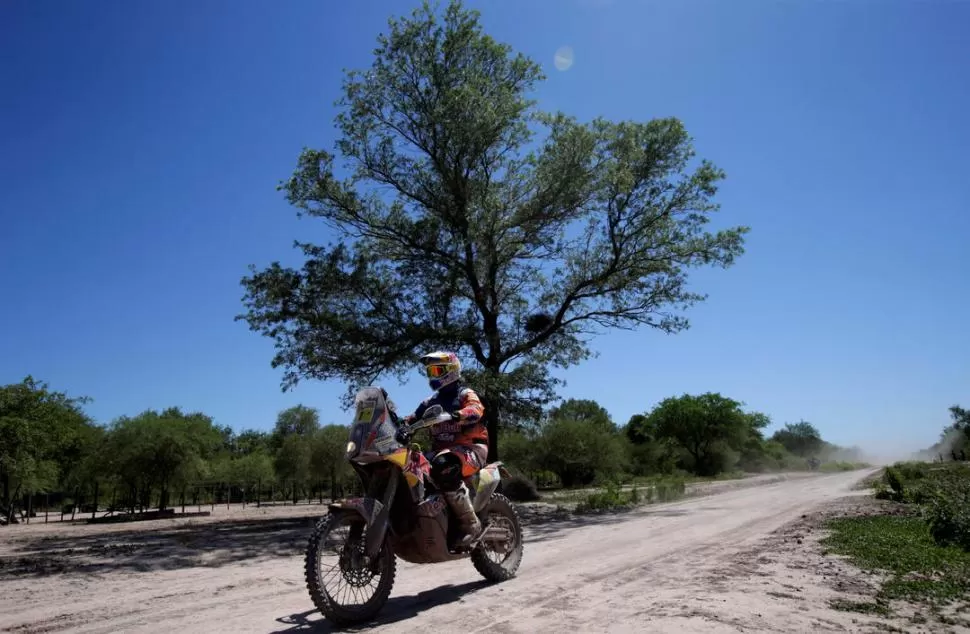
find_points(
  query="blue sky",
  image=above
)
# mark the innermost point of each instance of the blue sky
(141, 145)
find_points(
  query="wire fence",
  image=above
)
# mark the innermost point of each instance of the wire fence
(97, 502)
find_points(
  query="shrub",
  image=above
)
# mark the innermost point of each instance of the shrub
(579, 452)
(943, 493)
(948, 516)
(896, 484)
(608, 499)
(911, 471)
(882, 493)
(670, 489)
(947, 509)
(519, 488)
(835, 466)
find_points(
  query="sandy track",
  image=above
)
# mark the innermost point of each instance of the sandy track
(661, 568)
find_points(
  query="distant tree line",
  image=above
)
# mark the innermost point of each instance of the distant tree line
(49, 444)
(705, 435)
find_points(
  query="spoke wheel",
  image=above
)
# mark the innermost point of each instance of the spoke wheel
(500, 564)
(344, 586)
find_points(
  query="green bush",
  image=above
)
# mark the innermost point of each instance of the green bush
(947, 509)
(895, 483)
(949, 519)
(942, 492)
(882, 493)
(608, 499)
(911, 471)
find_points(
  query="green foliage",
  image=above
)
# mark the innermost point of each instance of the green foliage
(580, 451)
(948, 507)
(459, 191)
(920, 569)
(709, 427)
(836, 466)
(292, 463)
(162, 450)
(584, 411)
(898, 491)
(142, 461)
(941, 490)
(909, 471)
(249, 469)
(609, 498)
(613, 497)
(651, 458)
(801, 439)
(299, 420)
(327, 458)
(521, 451)
(948, 516)
(43, 436)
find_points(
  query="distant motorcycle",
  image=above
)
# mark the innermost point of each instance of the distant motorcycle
(402, 515)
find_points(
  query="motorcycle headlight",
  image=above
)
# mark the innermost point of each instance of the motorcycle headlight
(351, 447)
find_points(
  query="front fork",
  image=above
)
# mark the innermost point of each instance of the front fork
(377, 526)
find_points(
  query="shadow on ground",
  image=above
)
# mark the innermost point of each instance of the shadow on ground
(189, 545)
(397, 609)
(215, 544)
(550, 526)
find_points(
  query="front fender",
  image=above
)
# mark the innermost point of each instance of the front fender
(366, 508)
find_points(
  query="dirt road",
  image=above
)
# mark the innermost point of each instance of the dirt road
(680, 567)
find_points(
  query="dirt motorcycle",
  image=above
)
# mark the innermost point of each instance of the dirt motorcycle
(402, 515)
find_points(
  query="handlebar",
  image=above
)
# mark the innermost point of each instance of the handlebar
(433, 416)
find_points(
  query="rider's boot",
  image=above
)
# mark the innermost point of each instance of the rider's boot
(461, 503)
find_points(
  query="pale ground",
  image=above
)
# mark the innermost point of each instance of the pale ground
(742, 559)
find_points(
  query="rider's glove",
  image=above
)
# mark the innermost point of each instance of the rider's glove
(456, 416)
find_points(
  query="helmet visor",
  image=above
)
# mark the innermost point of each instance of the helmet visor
(436, 371)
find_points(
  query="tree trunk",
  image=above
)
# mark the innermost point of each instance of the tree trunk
(5, 508)
(491, 424)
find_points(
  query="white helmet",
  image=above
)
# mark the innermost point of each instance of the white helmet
(442, 368)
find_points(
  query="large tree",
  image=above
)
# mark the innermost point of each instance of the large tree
(585, 411)
(43, 437)
(468, 219)
(159, 451)
(801, 439)
(705, 426)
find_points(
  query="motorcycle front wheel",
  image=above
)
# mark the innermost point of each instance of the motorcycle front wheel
(345, 588)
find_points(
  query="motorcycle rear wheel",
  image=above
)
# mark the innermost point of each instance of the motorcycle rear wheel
(327, 583)
(502, 513)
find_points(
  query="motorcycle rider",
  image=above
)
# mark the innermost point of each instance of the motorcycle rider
(460, 448)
